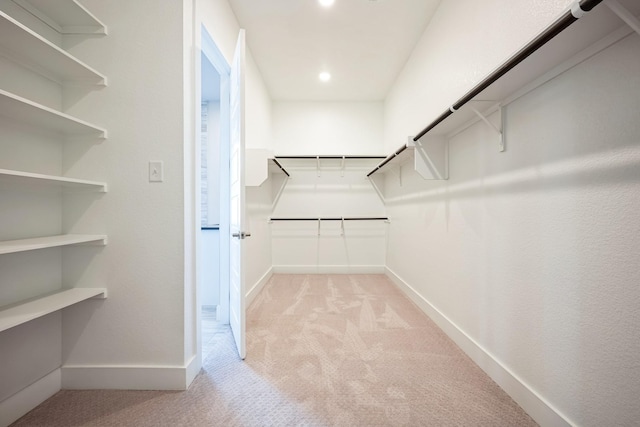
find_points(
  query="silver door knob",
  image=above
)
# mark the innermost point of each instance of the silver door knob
(241, 235)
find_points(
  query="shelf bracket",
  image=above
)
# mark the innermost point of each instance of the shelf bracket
(342, 227)
(431, 159)
(624, 14)
(501, 146)
(318, 166)
(342, 168)
(319, 221)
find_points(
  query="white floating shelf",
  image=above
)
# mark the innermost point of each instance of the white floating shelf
(34, 114)
(34, 51)
(18, 177)
(64, 16)
(12, 246)
(17, 314)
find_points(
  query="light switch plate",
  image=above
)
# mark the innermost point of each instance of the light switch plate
(156, 172)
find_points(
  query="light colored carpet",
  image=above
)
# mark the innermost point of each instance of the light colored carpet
(323, 350)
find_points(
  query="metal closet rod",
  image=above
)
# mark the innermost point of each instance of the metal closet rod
(389, 158)
(280, 166)
(333, 219)
(553, 30)
(330, 157)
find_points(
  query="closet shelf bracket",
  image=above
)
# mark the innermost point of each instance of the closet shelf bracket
(624, 14)
(498, 129)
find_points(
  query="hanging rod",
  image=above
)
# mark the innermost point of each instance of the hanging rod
(388, 159)
(280, 166)
(333, 219)
(330, 157)
(576, 12)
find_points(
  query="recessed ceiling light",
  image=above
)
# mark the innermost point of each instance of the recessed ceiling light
(326, 3)
(324, 76)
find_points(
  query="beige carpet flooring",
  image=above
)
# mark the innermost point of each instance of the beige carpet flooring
(323, 350)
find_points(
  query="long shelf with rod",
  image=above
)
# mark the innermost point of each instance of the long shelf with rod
(575, 36)
(329, 157)
(342, 220)
(381, 218)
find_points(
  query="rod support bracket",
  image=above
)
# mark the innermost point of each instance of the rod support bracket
(624, 14)
(499, 131)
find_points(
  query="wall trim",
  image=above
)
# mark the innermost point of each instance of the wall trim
(329, 269)
(257, 287)
(29, 397)
(192, 370)
(88, 377)
(543, 412)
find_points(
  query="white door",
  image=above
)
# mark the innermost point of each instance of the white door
(236, 196)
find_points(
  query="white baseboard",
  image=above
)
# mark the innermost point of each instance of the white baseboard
(535, 405)
(29, 397)
(93, 377)
(255, 290)
(329, 269)
(192, 370)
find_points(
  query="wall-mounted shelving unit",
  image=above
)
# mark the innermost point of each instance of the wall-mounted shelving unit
(22, 245)
(37, 115)
(64, 16)
(48, 181)
(26, 44)
(578, 34)
(30, 49)
(17, 314)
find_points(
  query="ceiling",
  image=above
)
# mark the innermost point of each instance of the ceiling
(363, 44)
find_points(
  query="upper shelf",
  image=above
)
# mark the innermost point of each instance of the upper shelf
(40, 180)
(64, 16)
(23, 245)
(570, 40)
(26, 111)
(17, 314)
(31, 49)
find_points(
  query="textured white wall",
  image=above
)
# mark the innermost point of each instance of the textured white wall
(327, 128)
(530, 252)
(141, 323)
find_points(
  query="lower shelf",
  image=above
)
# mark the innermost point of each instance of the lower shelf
(11, 246)
(17, 314)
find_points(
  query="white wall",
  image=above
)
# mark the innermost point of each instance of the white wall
(329, 128)
(313, 128)
(141, 324)
(530, 253)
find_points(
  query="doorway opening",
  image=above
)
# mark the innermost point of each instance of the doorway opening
(213, 253)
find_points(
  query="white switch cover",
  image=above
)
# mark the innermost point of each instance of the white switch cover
(156, 174)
